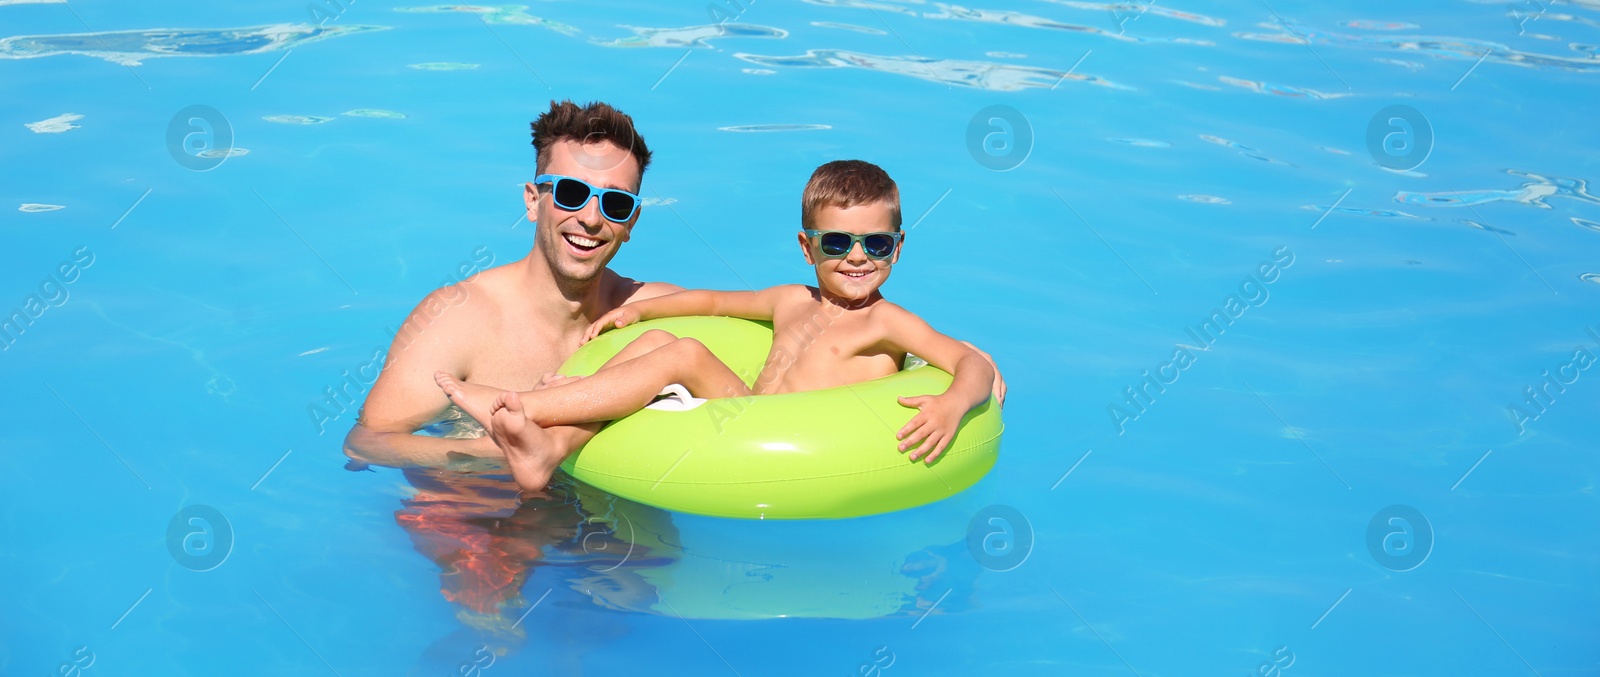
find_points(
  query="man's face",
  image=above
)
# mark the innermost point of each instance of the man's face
(855, 276)
(579, 244)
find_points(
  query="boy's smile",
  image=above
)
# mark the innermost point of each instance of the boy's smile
(855, 276)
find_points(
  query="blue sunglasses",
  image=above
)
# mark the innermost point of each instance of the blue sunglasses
(572, 194)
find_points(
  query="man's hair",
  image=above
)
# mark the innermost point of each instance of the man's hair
(845, 184)
(589, 123)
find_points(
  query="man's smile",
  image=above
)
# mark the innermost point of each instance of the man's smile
(582, 243)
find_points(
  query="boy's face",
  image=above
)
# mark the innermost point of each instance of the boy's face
(855, 276)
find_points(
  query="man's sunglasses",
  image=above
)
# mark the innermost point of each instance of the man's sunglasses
(836, 244)
(572, 194)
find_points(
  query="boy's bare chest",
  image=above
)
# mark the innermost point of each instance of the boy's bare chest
(822, 348)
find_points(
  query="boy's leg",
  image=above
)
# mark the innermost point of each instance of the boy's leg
(626, 388)
(532, 452)
(478, 400)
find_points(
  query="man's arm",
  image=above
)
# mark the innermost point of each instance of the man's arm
(405, 397)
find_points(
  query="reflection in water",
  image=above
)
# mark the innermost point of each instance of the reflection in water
(1532, 193)
(1120, 10)
(1143, 143)
(1408, 65)
(297, 119)
(690, 36)
(1461, 49)
(980, 74)
(502, 14)
(1030, 21)
(1485, 226)
(593, 550)
(865, 4)
(1380, 25)
(848, 27)
(56, 125)
(773, 128)
(1244, 150)
(1280, 90)
(443, 66)
(129, 47)
(1384, 213)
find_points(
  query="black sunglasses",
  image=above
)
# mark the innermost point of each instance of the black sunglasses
(572, 194)
(836, 244)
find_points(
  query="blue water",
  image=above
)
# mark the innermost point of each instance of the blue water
(1153, 158)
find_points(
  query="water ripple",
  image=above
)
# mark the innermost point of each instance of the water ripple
(55, 125)
(501, 14)
(1244, 150)
(130, 47)
(989, 75)
(1532, 193)
(1384, 213)
(690, 36)
(865, 4)
(848, 27)
(1144, 143)
(297, 119)
(773, 128)
(1278, 90)
(1380, 25)
(1130, 9)
(993, 16)
(1460, 49)
(443, 66)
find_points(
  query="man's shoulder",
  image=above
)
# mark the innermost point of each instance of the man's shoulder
(473, 300)
(629, 290)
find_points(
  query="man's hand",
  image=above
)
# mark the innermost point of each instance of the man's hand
(999, 381)
(933, 426)
(616, 319)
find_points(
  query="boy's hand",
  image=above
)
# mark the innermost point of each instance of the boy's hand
(932, 428)
(616, 319)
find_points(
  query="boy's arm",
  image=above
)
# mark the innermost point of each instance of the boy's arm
(973, 378)
(750, 305)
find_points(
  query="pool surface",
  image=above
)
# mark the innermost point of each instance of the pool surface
(1298, 303)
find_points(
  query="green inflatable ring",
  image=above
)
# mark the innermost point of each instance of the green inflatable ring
(820, 454)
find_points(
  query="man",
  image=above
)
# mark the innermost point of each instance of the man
(519, 322)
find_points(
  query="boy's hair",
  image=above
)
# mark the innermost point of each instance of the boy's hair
(589, 123)
(845, 184)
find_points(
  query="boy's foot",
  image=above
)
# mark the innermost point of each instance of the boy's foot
(529, 449)
(477, 400)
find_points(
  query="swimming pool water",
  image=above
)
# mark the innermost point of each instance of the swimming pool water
(1296, 302)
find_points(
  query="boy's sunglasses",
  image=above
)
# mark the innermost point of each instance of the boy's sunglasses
(572, 194)
(836, 244)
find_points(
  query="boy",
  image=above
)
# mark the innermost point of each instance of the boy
(850, 212)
